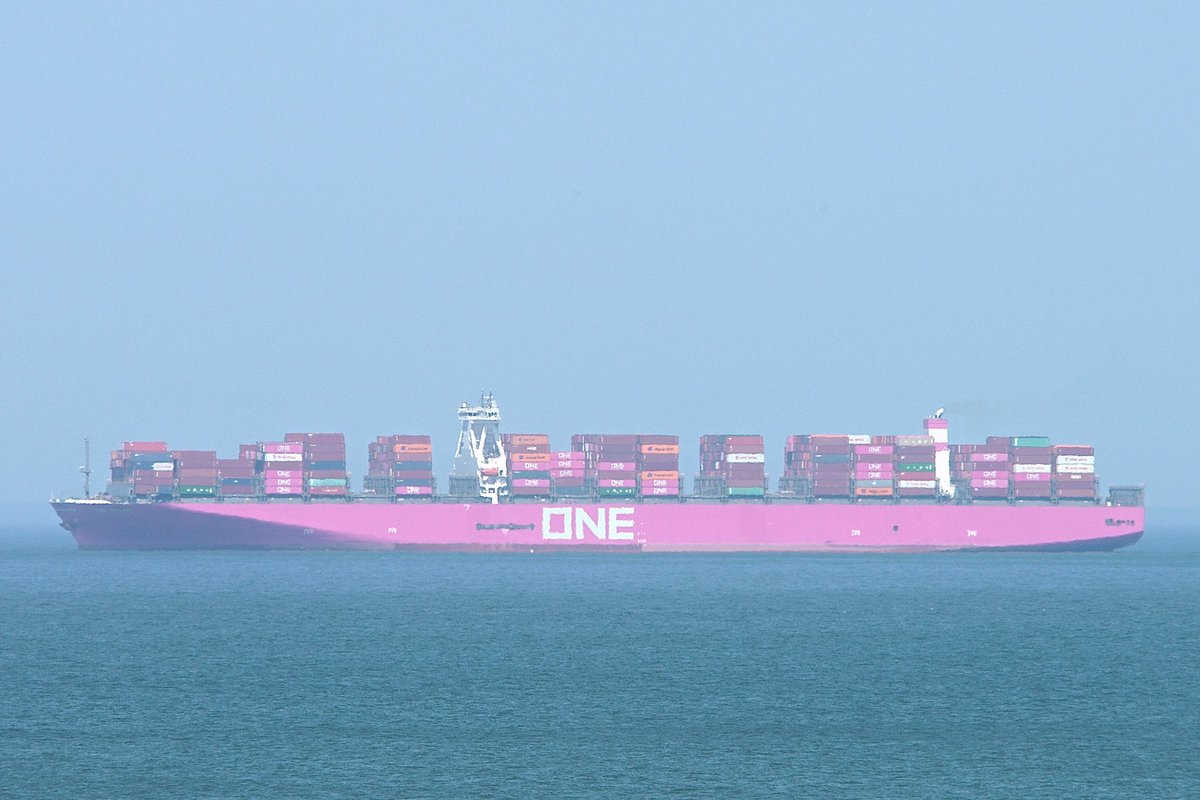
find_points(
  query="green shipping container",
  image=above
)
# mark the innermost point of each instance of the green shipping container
(909, 466)
(745, 491)
(1030, 441)
(197, 491)
(618, 492)
(327, 482)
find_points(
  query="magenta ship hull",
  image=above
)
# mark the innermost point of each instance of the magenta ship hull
(696, 526)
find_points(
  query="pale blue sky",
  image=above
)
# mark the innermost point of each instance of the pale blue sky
(224, 222)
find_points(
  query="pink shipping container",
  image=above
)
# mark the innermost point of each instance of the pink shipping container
(282, 474)
(282, 447)
(617, 466)
(1030, 477)
(568, 473)
(562, 463)
(874, 449)
(616, 475)
(282, 492)
(660, 491)
(532, 483)
(660, 483)
(989, 483)
(611, 483)
(989, 474)
(1002, 457)
(872, 465)
(567, 455)
(874, 475)
(414, 490)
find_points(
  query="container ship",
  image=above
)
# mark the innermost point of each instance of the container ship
(611, 492)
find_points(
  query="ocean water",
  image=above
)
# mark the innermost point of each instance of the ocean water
(284, 675)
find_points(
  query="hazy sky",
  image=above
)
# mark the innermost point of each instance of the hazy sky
(225, 222)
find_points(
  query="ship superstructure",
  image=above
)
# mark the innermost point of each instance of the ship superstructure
(480, 463)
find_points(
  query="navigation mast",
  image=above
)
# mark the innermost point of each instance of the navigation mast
(86, 469)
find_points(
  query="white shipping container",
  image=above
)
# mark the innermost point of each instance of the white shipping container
(860, 438)
(914, 440)
(744, 458)
(1076, 460)
(1030, 467)
(916, 484)
(1076, 468)
(283, 456)
(163, 466)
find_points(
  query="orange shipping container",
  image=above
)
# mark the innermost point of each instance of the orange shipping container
(874, 491)
(412, 448)
(660, 475)
(660, 449)
(528, 438)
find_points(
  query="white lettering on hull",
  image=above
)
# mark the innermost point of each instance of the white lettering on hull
(568, 522)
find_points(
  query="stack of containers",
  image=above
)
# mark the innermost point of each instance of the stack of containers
(529, 458)
(610, 463)
(832, 470)
(658, 466)
(409, 465)
(282, 468)
(960, 467)
(797, 468)
(915, 470)
(237, 476)
(195, 473)
(989, 469)
(874, 466)
(324, 463)
(1030, 467)
(568, 474)
(734, 463)
(1074, 472)
(821, 463)
(145, 467)
(380, 458)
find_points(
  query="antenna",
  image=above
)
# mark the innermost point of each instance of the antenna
(86, 469)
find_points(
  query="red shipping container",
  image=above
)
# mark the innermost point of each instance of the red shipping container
(529, 491)
(144, 447)
(1074, 450)
(567, 482)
